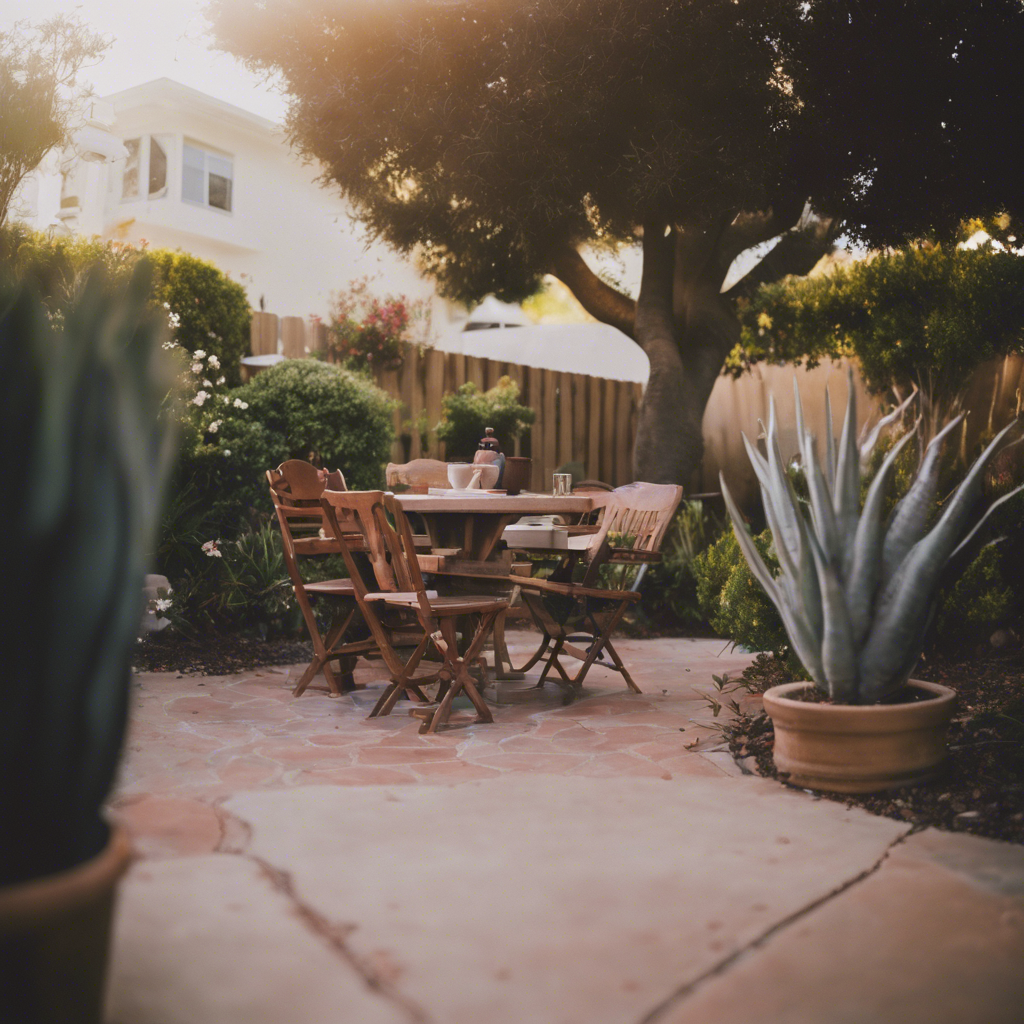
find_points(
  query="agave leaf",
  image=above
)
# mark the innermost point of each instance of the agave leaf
(910, 517)
(799, 406)
(867, 445)
(787, 509)
(830, 445)
(838, 654)
(981, 522)
(797, 629)
(910, 592)
(846, 496)
(862, 581)
(822, 516)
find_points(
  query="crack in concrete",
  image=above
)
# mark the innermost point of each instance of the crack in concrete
(684, 991)
(236, 834)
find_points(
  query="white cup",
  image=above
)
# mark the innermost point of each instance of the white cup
(460, 475)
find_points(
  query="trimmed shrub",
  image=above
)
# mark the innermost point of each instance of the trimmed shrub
(733, 602)
(212, 310)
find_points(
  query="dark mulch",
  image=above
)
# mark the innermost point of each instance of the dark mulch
(980, 789)
(216, 655)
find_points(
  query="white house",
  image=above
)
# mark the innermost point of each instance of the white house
(170, 166)
(222, 183)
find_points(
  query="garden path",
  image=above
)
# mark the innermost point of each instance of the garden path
(601, 862)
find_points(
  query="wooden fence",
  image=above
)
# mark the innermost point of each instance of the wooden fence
(592, 420)
(580, 418)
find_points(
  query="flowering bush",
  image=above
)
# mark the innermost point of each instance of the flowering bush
(368, 332)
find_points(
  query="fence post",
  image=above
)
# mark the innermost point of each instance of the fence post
(263, 334)
(293, 337)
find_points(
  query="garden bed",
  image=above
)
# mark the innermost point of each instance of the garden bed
(980, 788)
(217, 654)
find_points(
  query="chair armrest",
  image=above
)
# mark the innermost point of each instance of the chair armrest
(628, 556)
(571, 589)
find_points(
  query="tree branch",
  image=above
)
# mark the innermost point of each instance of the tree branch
(600, 300)
(750, 229)
(797, 253)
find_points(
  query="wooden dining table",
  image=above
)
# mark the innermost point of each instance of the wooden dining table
(465, 533)
(464, 529)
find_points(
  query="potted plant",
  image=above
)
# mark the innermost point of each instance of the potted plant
(856, 596)
(85, 450)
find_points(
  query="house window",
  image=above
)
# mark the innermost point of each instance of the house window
(146, 163)
(157, 168)
(130, 185)
(206, 178)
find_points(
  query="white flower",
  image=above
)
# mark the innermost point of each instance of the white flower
(225, 398)
(214, 426)
(211, 549)
(220, 380)
(227, 452)
(170, 344)
(167, 305)
(214, 362)
(200, 353)
(173, 319)
(197, 367)
(207, 383)
(162, 604)
(201, 396)
(239, 404)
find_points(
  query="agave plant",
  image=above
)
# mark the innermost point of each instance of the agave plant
(85, 454)
(856, 594)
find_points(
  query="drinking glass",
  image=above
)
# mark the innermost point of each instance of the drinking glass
(561, 484)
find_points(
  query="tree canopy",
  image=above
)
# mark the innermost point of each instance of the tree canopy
(923, 315)
(39, 66)
(490, 133)
(497, 139)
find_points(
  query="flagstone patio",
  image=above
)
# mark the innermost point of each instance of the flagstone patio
(598, 862)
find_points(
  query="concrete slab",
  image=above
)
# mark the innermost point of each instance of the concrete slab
(935, 936)
(556, 899)
(215, 940)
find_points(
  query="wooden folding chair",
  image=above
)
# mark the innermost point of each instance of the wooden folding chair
(633, 522)
(295, 489)
(390, 546)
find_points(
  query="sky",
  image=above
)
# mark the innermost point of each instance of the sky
(155, 39)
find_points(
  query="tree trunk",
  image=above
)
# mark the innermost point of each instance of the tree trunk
(686, 328)
(684, 323)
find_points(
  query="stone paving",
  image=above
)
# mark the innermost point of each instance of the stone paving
(605, 861)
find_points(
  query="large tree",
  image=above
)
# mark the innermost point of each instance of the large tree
(39, 68)
(499, 138)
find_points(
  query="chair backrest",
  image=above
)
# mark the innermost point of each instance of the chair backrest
(388, 543)
(419, 472)
(299, 484)
(640, 513)
(295, 489)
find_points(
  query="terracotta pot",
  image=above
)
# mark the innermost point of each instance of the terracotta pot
(859, 748)
(55, 938)
(517, 473)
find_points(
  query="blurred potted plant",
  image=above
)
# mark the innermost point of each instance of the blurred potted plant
(467, 412)
(85, 450)
(856, 596)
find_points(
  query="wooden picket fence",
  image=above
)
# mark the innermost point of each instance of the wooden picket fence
(592, 420)
(579, 418)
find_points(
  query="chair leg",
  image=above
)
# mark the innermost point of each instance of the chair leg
(614, 655)
(304, 679)
(551, 662)
(600, 639)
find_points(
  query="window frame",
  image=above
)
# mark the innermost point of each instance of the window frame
(219, 155)
(144, 166)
